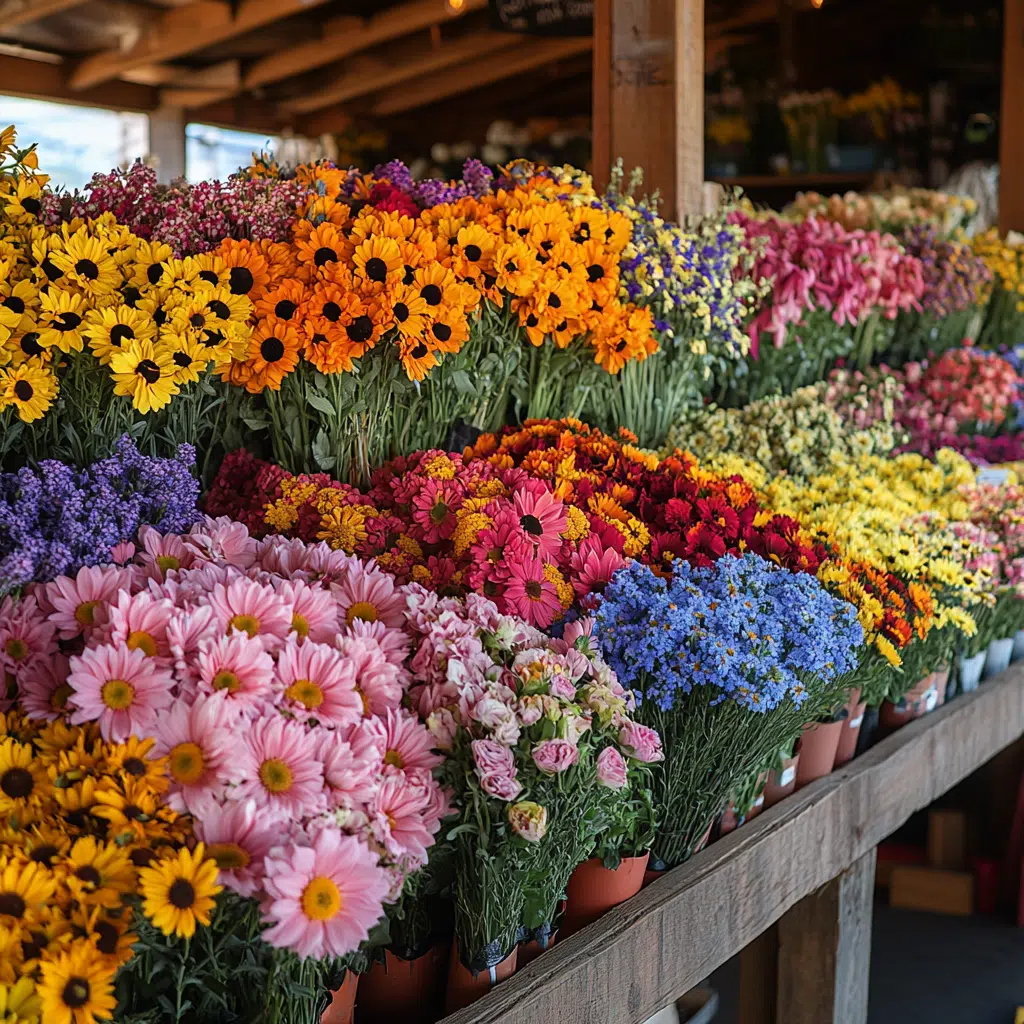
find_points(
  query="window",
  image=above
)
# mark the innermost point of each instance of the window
(218, 152)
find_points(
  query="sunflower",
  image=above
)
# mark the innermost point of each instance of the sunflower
(436, 285)
(24, 888)
(286, 302)
(246, 268)
(145, 373)
(22, 200)
(45, 842)
(273, 354)
(472, 256)
(18, 301)
(515, 267)
(107, 931)
(45, 271)
(132, 810)
(195, 314)
(210, 268)
(19, 1003)
(23, 781)
(227, 308)
(324, 248)
(178, 892)
(190, 357)
(135, 759)
(86, 264)
(29, 387)
(281, 262)
(377, 262)
(149, 259)
(409, 311)
(61, 317)
(418, 357)
(108, 329)
(77, 987)
(98, 873)
(450, 329)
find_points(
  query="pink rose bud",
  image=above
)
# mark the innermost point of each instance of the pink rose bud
(641, 742)
(528, 820)
(554, 756)
(611, 768)
(496, 770)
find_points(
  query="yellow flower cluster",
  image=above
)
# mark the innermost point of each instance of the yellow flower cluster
(1006, 261)
(84, 838)
(91, 301)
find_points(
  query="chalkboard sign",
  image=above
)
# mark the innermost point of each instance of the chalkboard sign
(544, 17)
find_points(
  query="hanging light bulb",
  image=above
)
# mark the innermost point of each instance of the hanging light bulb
(454, 6)
(817, 3)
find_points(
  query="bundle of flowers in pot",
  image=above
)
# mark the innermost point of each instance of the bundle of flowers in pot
(271, 681)
(538, 740)
(740, 655)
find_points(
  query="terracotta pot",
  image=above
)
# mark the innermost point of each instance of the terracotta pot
(781, 783)
(408, 989)
(465, 987)
(530, 950)
(818, 745)
(343, 1001)
(729, 822)
(652, 875)
(594, 889)
(917, 701)
(940, 677)
(756, 808)
(847, 747)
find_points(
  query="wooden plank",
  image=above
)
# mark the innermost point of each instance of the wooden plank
(21, 77)
(18, 12)
(362, 78)
(534, 53)
(759, 970)
(662, 943)
(183, 30)
(921, 888)
(1011, 121)
(689, 97)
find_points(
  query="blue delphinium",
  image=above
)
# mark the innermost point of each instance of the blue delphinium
(752, 630)
(54, 519)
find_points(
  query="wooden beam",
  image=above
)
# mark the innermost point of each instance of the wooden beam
(46, 81)
(18, 12)
(534, 54)
(341, 39)
(182, 30)
(664, 941)
(374, 74)
(1011, 121)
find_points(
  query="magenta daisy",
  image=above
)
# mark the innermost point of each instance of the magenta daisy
(278, 767)
(318, 682)
(371, 595)
(239, 668)
(238, 839)
(543, 518)
(378, 681)
(77, 603)
(121, 689)
(433, 509)
(25, 635)
(409, 743)
(244, 606)
(314, 612)
(198, 743)
(322, 900)
(529, 594)
(139, 621)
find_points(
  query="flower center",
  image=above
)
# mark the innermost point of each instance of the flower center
(532, 525)
(134, 766)
(361, 610)
(186, 763)
(118, 694)
(534, 590)
(119, 332)
(76, 993)
(228, 856)
(306, 693)
(16, 783)
(245, 624)
(394, 758)
(240, 280)
(271, 349)
(166, 562)
(87, 269)
(324, 255)
(226, 680)
(148, 371)
(140, 640)
(438, 512)
(181, 894)
(59, 697)
(85, 613)
(11, 905)
(275, 775)
(300, 624)
(16, 648)
(321, 899)
(23, 391)
(376, 269)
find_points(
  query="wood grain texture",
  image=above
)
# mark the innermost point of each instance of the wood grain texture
(853, 950)
(1011, 121)
(662, 943)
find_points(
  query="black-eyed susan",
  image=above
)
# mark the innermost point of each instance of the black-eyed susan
(246, 267)
(226, 307)
(409, 312)
(515, 268)
(179, 892)
(29, 387)
(61, 319)
(24, 887)
(148, 263)
(273, 354)
(190, 313)
(23, 781)
(417, 356)
(472, 255)
(22, 199)
(24, 347)
(324, 248)
(135, 759)
(190, 357)
(46, 841)
(18, 302)
(437, 285)
(44, 271)
(377, 262)
(98, 872)
(110, 328)
(286, 302)
(450, 329)
(145, 373)
(19, 1002)
(107, 930)
(86, 264)
(77, 986)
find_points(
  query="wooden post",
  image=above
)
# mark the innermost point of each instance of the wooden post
(167, 142)
(649, 95)
(1011, 120)
(822, 948)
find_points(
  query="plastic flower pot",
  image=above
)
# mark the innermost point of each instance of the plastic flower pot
(917, 701)
(410, 990)
(970, 671)
(594, 889)
(854, 719)
(343, 1002)
(997, 657)
(540, 941)
(466, 986)
(781, 783)
(818, 745)
(1018, 646)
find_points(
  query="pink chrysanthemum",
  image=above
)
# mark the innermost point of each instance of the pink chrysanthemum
(593, 566)
(43, 689)
(198, 744)
(314, 611)
(393, 642)
(398, 817)
(121, 689)
(161, 554)
(351, 765)
(317, 681)
(322, 900)
(377, 680)
(25, 635)
(409, 744)
(223, 540)
(542, 517)
(367, 593)
(139, 621)
(122, 552)
(237, 667)
(248, 607)
(186, 633)
(238, 839)
(529, 594)
(278, 767)
(78, 603)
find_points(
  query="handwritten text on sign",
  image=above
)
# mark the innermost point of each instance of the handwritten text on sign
(544, 17)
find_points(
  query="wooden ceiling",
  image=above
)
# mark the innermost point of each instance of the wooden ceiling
(312, 66)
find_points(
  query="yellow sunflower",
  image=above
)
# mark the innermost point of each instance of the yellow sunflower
(22, 200)
(147, 268)
(23, 781)
(99, 872)
(145, 373)
(24, 888)
(30, 388)
(377, 261)
(18, 301)
(190, 357)
(19, 1003)
(178, 892)
(77, 987)
(108, 329)
(86, 264)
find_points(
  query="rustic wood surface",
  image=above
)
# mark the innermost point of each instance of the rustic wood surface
(651, 950)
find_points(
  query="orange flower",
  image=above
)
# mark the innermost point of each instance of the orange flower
(377, 263)
(450, 329)
(324, 248)
(418, 358)
(285, 302)
(273, 354)
(247, 271)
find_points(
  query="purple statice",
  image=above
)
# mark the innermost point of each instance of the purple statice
(479, 178)
(434, 192)
(397, 173)
(955, 277)
(54, 518)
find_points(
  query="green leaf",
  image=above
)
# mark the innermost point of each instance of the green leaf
(463, 383)
(255, 423)
(322, 452)
(320, 402)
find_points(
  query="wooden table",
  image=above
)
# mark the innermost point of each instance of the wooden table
(798, 880)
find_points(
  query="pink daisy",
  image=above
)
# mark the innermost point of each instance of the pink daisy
(285, 556)
(327, 565)
(318, 682)
(186, 632)
(77, 603)
(43, 689)
(248, 607)
(237, 667)
(393, 642)
(314, 612)
(434, 507)
(122, 689)
(322, 900)
(377, 680)
(139, 621)
(122, 552)
(409, 743)
(350, 766)
(593, 566)
(529, 594)
(161, 554)
(198, 744)
(398, 817)
(543, 518)
(238, 839)
(222, 540)
(278, 767)
(26, 635)
(367, 593)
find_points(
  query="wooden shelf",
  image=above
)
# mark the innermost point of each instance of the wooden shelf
(797, 180)
(666, 940)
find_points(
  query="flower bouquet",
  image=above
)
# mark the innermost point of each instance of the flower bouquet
(1005, 312)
